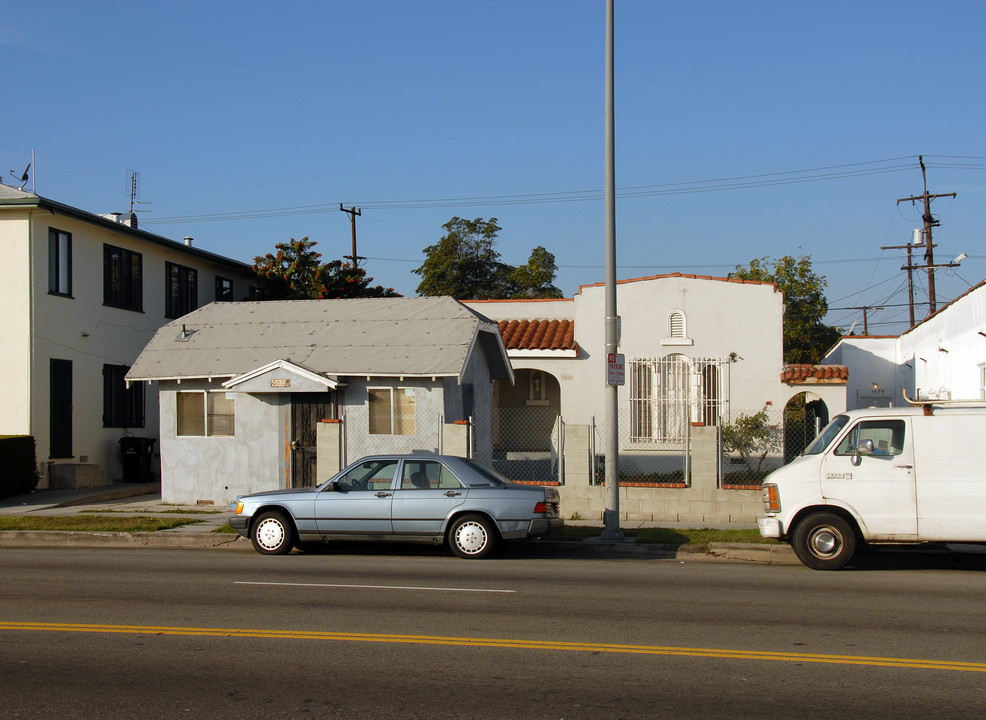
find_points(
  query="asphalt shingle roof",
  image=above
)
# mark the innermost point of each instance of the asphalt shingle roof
(415, 337)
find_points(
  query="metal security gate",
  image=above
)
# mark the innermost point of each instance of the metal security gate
(307, 411)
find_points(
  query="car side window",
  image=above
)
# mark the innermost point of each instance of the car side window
(369, 475)
(887, 437)
(426, 475)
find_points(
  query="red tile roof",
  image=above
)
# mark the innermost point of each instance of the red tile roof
(538, 334)
(804, 374)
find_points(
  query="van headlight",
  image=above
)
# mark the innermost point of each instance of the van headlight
(771, 498)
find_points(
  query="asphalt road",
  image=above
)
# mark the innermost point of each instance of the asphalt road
(415, 633)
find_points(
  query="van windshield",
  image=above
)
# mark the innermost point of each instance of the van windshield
(828, 435)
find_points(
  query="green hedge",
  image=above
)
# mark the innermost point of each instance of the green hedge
(18, 465)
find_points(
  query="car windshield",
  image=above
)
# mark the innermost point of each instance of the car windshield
(828, 435)
(492, 477)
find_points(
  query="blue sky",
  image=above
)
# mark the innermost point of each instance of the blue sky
(743, 129)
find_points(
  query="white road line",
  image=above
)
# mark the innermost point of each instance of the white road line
(376, 587)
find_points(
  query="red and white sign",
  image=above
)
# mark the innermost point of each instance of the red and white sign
(615, 369)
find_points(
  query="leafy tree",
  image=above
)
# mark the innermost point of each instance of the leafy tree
(466, 265)
(296, 272)
(753, 437)
(805, 337)
(292, 273)
(536, 278)
(342, 280)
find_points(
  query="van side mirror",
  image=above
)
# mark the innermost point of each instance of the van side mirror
(865, 447)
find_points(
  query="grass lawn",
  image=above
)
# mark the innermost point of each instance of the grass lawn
(92, 523)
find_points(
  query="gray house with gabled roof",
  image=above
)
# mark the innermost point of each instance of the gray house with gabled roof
(244, 386)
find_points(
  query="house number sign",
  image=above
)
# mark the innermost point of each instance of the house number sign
(280, 382)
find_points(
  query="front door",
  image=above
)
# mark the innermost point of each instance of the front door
(358, 502)
(307, 411)
(880, 488)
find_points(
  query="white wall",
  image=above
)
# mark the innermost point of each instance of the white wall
(722, 317)
(948, 350)
(15, 348)
(872, 360)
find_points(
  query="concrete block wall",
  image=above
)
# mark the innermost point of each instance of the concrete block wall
(703, 502)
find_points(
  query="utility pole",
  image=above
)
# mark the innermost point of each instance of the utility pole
(910, 271)
(864, 308)
(353, 212)
(611, 515)
(930, 221)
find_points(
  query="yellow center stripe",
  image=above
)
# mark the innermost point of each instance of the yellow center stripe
(504, 643)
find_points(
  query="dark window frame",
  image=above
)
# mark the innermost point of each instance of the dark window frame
(123, 278)
(123, 407)
(59, 261)
(224, 289)
(181, 290)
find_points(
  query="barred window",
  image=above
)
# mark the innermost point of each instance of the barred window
(668, 393)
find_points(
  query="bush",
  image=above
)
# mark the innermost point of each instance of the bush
(18, 465)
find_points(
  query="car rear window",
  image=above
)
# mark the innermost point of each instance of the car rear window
(488, 476)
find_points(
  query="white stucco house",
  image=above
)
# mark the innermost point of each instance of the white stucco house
(247, 389)
(82, 294)
(698, 351)
(943, 357)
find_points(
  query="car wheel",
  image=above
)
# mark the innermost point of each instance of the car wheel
(472, 536)
(272, 534)
(824, 541)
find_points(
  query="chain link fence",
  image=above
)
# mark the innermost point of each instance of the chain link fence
(527, 443)
(644, 459)
(422, 432)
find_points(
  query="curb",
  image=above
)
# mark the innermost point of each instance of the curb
(768, 554)
(160, 539)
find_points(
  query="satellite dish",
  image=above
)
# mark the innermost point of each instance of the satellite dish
(24, 176)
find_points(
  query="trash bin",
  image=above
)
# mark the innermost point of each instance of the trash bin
(137, 452)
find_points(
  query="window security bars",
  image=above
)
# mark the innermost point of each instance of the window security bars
(668, 393)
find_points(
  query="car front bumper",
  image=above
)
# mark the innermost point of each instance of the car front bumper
(240, 523)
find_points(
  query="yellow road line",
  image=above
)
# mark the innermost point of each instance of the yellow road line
(504, 643)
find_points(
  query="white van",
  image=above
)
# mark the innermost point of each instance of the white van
(882, 475)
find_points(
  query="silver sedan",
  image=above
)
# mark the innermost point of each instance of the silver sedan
(413, 498)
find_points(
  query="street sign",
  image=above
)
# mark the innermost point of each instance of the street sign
(615, 369)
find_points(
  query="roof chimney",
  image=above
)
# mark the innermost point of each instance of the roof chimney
(188, 241)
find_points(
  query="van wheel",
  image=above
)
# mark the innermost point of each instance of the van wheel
(472, 536)
(272, 534)
(824, 541)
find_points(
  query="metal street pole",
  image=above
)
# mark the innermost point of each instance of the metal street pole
(611, 516)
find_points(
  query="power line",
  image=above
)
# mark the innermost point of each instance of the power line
(818, 174)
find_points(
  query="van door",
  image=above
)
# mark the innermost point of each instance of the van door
(880, 486)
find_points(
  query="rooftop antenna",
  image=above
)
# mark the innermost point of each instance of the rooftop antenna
(133, 186)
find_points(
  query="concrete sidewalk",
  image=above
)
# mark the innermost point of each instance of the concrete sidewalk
(145, 499)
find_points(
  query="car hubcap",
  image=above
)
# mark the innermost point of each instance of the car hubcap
(270, 534)
(470, 537)
(825, 542)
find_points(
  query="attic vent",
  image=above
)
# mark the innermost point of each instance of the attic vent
(676, 324)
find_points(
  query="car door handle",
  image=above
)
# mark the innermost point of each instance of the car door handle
(382, 494)
(452, 493)
(906, 467)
